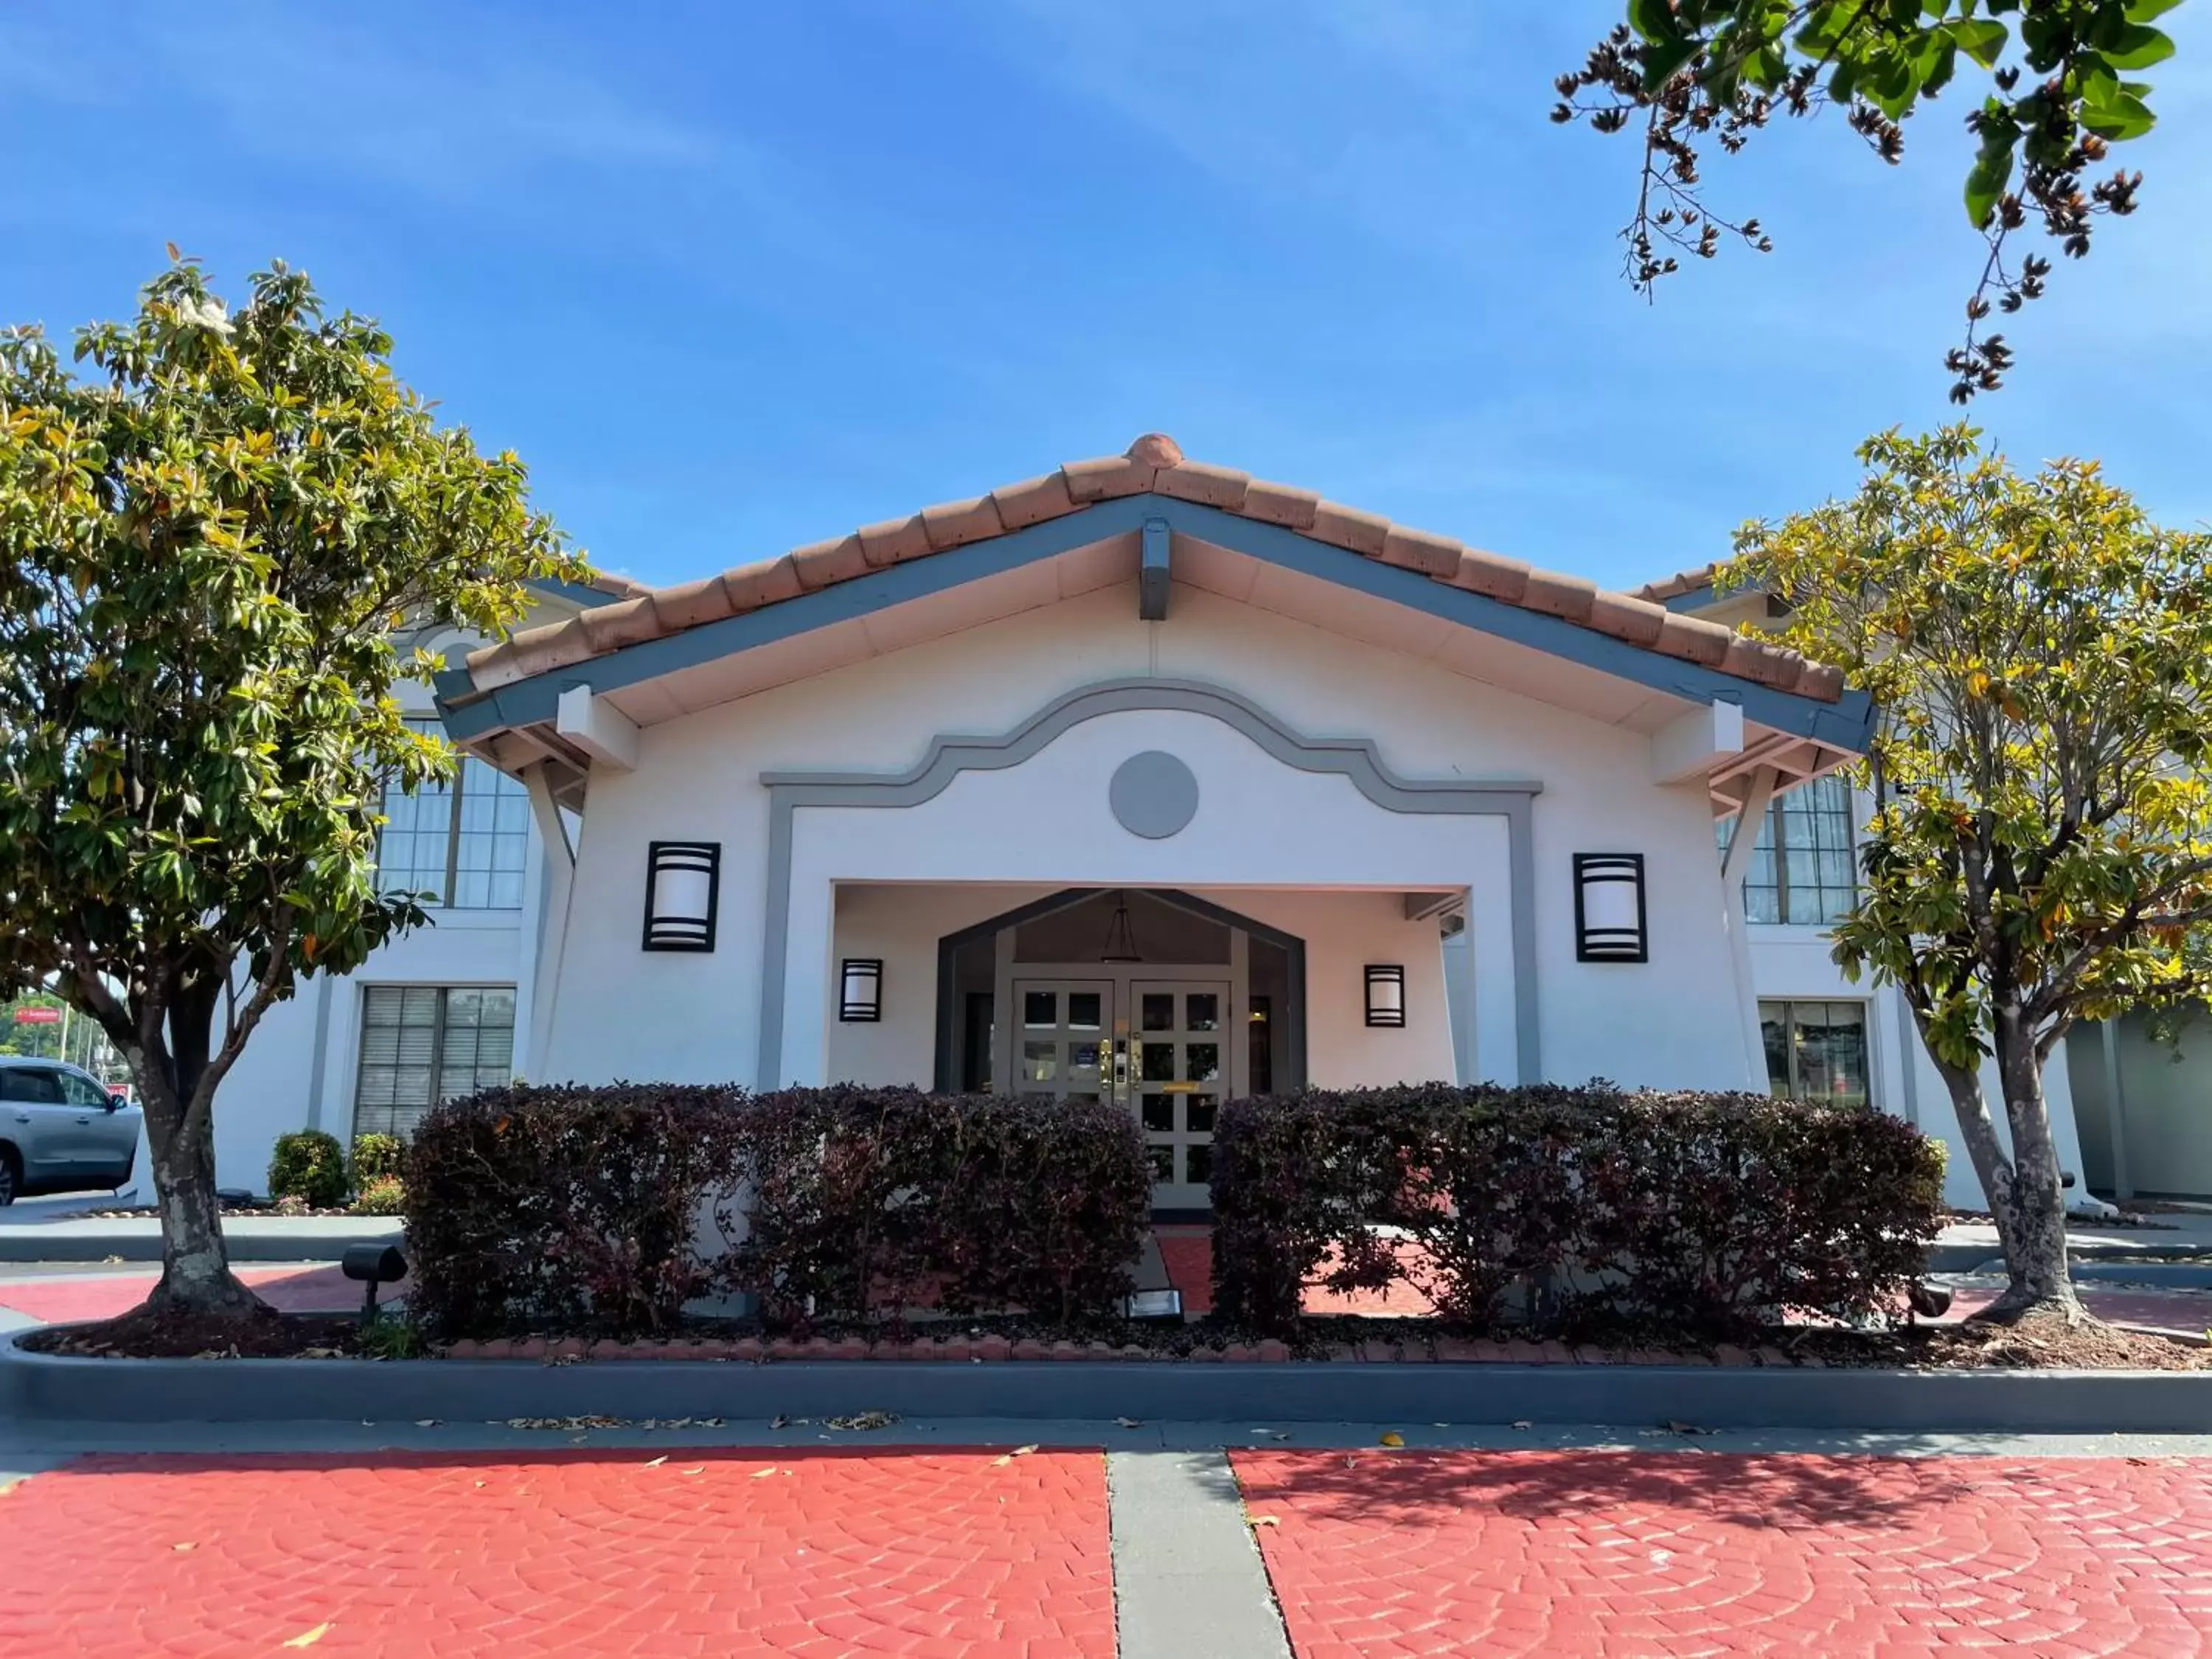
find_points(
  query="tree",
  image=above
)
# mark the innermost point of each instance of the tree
(2040, 851)
(211, 543)
(2056, 102)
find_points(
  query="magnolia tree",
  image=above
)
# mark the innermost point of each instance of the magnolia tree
(213, 538)
(2040, 851)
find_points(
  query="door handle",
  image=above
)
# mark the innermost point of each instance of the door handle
(86, 1119)
(22, 1117)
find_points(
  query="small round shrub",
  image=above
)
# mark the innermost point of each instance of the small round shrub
(376, 1157)
(384, 1195)
(291, 1204)
(310, 1166)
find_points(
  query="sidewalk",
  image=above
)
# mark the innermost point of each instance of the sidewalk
(975, 1539)
(68, 1234)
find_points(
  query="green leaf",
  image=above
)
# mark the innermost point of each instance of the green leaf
(1982, 40)
(2122, 115)
(1986, 181)
(2141, 11)
(1663, 58)
(2137, 46)
(1653, 19)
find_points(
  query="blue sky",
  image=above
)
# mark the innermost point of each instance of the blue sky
(734, 277)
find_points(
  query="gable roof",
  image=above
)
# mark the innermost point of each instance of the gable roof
(1681, 585)
(1154, 465)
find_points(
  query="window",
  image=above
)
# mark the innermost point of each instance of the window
(1816, 1051)
(1815, 884)
(31, 1085)
(462, 841)
(420, 1044)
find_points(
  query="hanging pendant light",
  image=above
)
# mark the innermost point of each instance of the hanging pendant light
(1120, 940)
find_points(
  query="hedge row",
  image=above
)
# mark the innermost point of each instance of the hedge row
(1706, 1212)
(609, 1208)
(569, 1207)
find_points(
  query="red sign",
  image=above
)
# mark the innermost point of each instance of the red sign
(38, 1016)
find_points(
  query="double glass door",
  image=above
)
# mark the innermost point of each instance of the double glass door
(1158, 1045)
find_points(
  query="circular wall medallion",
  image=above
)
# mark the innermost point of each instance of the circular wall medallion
(1152, 795)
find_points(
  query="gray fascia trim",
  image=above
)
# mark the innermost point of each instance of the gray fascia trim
(1356, 759)
(1696, 598)
(1847, 724)
(1153, 576)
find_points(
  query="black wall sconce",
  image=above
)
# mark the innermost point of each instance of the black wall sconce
(683, 887)
(1609, 921)
(860, 990)
(1386, 993)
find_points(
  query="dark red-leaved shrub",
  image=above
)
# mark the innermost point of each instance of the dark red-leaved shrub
(866, 1199)
(566, 1206)
(1706, 1212)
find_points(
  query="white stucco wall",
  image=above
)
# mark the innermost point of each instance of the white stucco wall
(625, 1012)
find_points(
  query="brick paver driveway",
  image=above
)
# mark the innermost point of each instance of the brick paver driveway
(1600, 1553)
(589, 1552)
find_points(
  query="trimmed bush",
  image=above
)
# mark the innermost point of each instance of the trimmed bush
(376, 1157)
(1703, 1212)
(564, 1207)
(381, 1195)
(309, 1165)
(869, 1199)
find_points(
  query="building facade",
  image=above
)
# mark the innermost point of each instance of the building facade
(1142, 778)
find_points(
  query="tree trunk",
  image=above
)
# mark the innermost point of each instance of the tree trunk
(2041, 1281)
(196, 1275)
(2027, 1203)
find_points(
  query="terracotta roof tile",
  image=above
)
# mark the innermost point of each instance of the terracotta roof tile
(1673, 586)
(955, 524)
(824, 564)
(758, 585)
(1154, 463)
(1033, 501)
(1108, 477)
(894, 541)
(693, 604)
(1694, 640)
(1418, 550)
(1492, 574)
(1558, 595)
(1279, 504)
(627, 622)
(1348, 527)
(1636, 621)
(1210, 486)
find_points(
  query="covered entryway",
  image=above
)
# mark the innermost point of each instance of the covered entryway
(1153, 998)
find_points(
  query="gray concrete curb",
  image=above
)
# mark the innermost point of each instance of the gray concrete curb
(42, 1387)
(49, 1242)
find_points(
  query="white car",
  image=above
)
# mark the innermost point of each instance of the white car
(61, 1131)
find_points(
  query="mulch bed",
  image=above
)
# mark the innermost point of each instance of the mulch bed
(2041, 1343)
(148, 1333)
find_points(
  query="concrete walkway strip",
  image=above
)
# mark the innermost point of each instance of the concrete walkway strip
(1187, 1577)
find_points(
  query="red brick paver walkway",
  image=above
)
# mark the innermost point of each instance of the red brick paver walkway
(1586, 1553)
(597, 1552)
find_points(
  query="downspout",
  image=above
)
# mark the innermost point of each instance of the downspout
(1741, 841)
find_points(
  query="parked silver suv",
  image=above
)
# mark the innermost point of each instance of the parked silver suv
(60, 1130)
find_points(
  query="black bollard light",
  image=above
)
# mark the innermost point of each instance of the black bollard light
(373, 1264)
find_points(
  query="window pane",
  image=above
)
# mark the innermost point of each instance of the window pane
(1202, 1062)
(1832, 1053)
(1202, 1012)
(1774, 1030)
(410, 850)
(1158, 1012)
(1039, 1008)
(466, 1033)
(1083, 1011)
